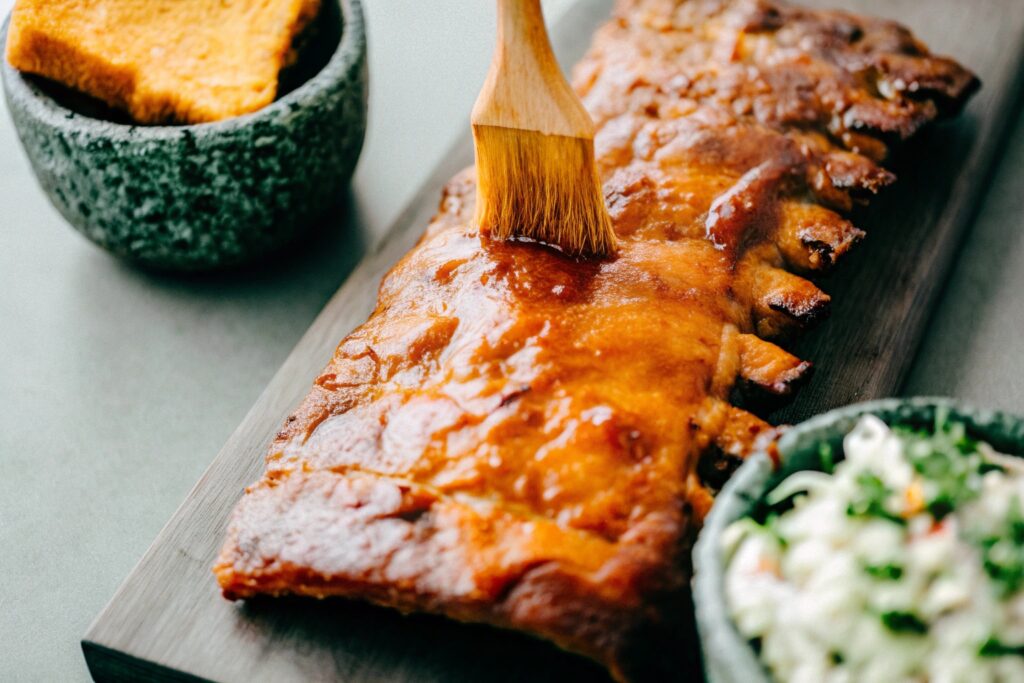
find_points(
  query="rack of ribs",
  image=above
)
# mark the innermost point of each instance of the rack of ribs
(522, 439)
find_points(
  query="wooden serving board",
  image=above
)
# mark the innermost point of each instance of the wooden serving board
(167, 621)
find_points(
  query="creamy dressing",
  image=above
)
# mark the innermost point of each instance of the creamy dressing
(906, 563)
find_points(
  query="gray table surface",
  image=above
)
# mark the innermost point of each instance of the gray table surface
(118, 387)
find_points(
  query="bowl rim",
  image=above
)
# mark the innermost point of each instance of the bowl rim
(727, 655)
(351, 49)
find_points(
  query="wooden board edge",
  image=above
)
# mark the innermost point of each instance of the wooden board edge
(956, 220)
(987, 164)
(107, 665)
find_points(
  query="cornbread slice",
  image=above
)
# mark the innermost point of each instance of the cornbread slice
(186, 61)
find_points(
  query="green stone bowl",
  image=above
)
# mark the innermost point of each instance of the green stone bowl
(206, 196)
(728, 657)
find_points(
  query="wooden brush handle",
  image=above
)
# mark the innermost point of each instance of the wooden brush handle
(525, 88)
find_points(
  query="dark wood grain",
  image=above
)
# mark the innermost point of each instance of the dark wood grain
(167, 622)
(883, 294)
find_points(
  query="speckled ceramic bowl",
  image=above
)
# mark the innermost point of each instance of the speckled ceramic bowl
(199, 197)
(728, 657)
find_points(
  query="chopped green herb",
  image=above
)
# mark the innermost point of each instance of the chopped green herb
(771, 525)
(836, 657)
(1003, 553)
(903, 622)
(828, 460)
(871, 498)
(993, 647)
(889, 572)
(986, 467)
(949, 463)
(965, 444)
(1015, 522)
(940, 506)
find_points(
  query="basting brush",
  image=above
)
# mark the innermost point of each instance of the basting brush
(534, 143)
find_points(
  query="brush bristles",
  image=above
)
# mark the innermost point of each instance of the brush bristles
(542, 187)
